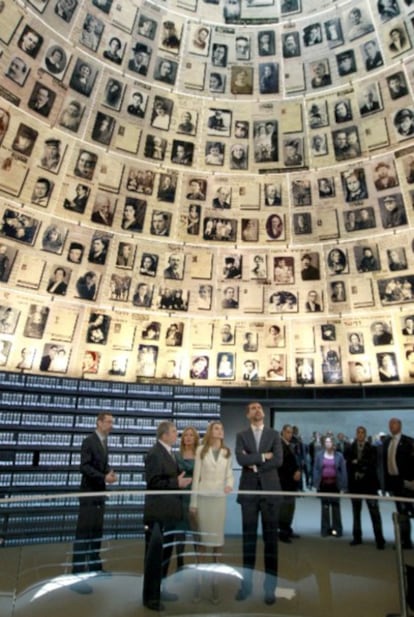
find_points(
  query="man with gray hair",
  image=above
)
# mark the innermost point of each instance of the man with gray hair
(161, 512)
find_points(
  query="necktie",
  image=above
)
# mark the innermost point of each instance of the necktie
(391, 462)
(257, 436)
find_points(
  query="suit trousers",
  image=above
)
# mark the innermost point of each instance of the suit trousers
(159, 544)
(404, 509)
(88, 535)
(375, 515)
(269, 512)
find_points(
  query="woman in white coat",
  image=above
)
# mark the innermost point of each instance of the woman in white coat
(212, 481)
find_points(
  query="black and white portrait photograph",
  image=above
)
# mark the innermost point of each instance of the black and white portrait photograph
(266, 42)
(170, 38)
(219, 54)
(357, 23)
(9, 317)
(161, 113)
(319, 144)
(217, 82)
(242, 47)
(125, 257)
(77, 198)
(42, 191)
(198, 39)
(370, 99)
(346, 63)
(113, 93)
(141, 56)
(318, 114)
(182, 152)
(403, 121)
(114, 50)
(99, 248)
(333, 32)
(187, 123)
(18, 225)
(291, 45)
(392, 210)
(137, 103)
(346, 143)
(326, 187)
(293, 152)
(167, 187)
(18, 70)
(42, 99)
(241, 80)
(103, 5)
(266, 144)
(214, 153)
(36, 321)
(83, 77)
(301, 191)
(85, 164)
(268, 78)
(354, 184)
(149, 264)
(165, 71)
(367, 257)
(343, 111)
(312, 35)
(30, 41)
(220, 229)
(103, 128)
(320, 74)
(302, 223)
(56, 60)
(147, 26)
(155, 147)
(398, 39)
(7, 257)
(65, 9)
(219, 121)
(71, 115)
(91, 32)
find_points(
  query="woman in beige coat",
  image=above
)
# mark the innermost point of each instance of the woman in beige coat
(212, 481)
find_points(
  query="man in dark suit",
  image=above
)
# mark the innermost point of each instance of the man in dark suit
(398, 459)
(259, 452)
(96, 473)
(363, 479)
(290, 475)
(161, 513)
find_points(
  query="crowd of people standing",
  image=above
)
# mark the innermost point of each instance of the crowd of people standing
(189, 514)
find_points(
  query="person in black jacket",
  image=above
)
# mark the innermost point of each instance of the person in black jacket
(289, 474)
(398, 466)
(361, 460)
(161, 514)
(259, 453)
(96, 473)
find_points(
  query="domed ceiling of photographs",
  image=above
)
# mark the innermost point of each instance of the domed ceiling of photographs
(209, 192)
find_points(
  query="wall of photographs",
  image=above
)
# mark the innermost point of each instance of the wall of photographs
(208, 192)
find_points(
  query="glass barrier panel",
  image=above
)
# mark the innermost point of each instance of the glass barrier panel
(323, 567)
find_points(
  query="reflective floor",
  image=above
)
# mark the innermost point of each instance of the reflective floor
(318, 577)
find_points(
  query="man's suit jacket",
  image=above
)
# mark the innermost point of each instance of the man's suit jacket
(94, 464)
(363, 474)
(404, 458)
(248, 456)
(161, 474)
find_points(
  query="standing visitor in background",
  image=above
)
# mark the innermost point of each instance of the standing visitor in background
(96, 474)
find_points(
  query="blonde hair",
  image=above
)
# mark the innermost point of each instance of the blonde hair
(207, 439)
(196, 438)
